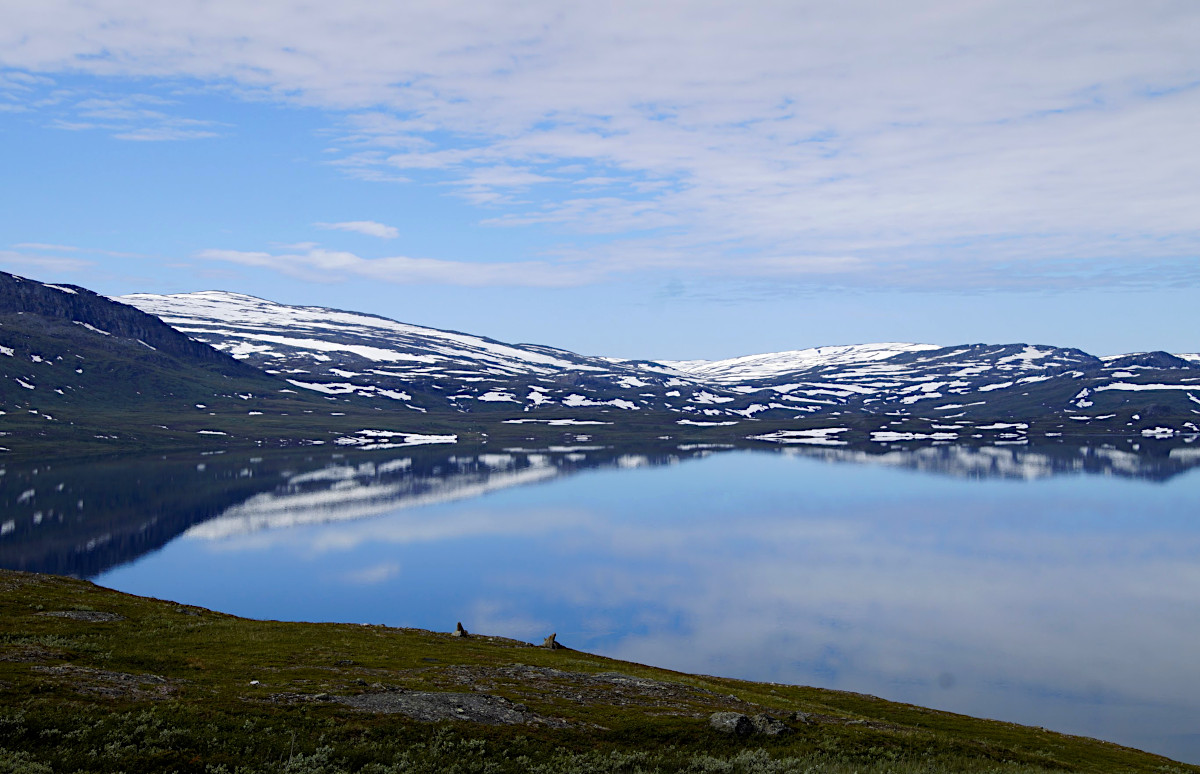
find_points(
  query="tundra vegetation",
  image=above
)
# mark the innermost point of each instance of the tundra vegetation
(95, 680)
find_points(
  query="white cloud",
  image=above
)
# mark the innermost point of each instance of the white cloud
(46, 246)
(127, 117)
(164, 134)
(320, 265)
(50, 263)
(767, 131)
(368, 227)
(56, 248)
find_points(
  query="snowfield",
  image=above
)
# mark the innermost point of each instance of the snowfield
(341, 354)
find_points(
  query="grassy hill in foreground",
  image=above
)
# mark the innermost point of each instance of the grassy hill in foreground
(95, 680)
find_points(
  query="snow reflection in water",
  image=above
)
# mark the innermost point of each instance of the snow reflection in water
(1067, 601)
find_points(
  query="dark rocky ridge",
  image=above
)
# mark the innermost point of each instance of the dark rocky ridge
(1156, 359)
(19, 295)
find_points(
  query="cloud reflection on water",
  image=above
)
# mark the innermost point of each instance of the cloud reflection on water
(1072, 603)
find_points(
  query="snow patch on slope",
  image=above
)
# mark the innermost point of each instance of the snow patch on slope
(775, 364)
(196, 312)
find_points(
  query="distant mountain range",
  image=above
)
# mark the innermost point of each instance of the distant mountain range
(337, 353)
(85, 373)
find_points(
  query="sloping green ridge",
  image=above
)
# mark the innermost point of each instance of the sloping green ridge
(96, 680)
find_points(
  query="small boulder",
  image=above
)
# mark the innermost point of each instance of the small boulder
(551, 643)
(459, 631)
(742, 725)
(731, 723)
(767, 725)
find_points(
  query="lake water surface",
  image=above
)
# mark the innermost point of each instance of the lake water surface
(987, 581)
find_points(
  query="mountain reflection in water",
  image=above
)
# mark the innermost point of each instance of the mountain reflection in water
(85, 518)
(1053, 585)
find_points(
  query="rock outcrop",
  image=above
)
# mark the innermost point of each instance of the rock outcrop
(745, 725)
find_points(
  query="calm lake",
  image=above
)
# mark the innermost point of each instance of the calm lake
(1056, 587)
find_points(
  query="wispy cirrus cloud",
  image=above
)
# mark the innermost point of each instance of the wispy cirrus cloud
(42, 247)
(16, 87)
(23, 262)
(367, 227)
(46, 246)
(133, 117)
(166, 133)
(318, 264)
(766, 131)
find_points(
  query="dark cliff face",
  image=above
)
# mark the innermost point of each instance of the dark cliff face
(74, 356)
(73, 304)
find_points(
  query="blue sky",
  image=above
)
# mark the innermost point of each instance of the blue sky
(661, 180)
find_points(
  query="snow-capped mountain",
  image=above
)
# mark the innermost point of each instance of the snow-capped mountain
(341, 353)
(774, 365)
(81, 374)
(91, 375)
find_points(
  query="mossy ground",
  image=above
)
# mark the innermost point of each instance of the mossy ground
(123, 683)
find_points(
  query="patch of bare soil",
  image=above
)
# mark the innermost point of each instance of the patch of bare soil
(29, 654)
(616, 689)
(431, 707)
(111, 685)
(613, 689)
(428, 706)
(87, 616)
(11, 580)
